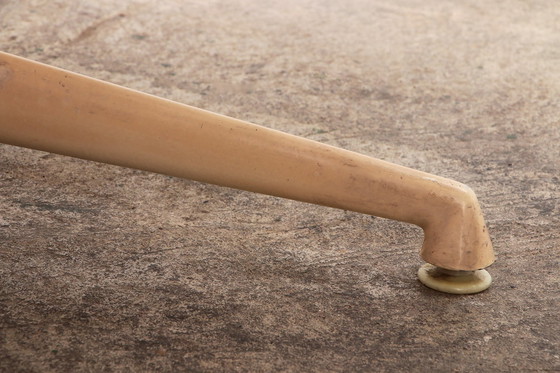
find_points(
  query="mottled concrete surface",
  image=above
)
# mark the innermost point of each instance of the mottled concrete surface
(110, 269)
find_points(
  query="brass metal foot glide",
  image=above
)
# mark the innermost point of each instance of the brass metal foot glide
(50, 109)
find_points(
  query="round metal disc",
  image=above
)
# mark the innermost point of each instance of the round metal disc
(454, 282)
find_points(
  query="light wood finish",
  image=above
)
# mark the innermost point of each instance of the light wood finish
(45, 108)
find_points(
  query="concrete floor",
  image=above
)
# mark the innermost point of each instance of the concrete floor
(110, 269)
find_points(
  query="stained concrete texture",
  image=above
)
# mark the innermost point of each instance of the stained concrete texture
(110, 269)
